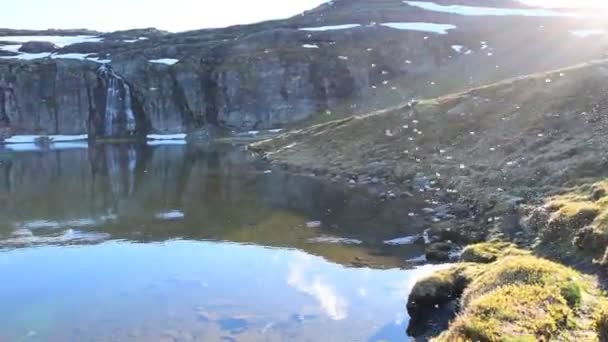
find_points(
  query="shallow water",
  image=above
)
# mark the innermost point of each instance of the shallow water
(195, 243)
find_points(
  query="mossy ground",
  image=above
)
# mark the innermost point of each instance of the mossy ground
(520, 297)
(580, 217)
(488, 252)
(601, 321)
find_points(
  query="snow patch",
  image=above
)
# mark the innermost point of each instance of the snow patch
(178, 136)
(60, 41)
(487, 11)
(171, 215)
(457, 48)
(423, 27)
(330, 28)
(166, 142)
(166, 61)
(408, 240)
(32, 139)
(135, 40)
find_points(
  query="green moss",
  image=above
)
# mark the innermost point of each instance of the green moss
(488, 252)
(513, 313)
(525, 298)
(528, 270)
(579, 217)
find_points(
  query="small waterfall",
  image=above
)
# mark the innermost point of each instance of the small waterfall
(118, 117)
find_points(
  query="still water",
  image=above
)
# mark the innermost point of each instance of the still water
(194, 243)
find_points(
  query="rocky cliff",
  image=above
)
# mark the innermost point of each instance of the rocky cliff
(345, 57)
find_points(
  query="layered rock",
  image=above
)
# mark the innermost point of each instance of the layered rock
(275, 73)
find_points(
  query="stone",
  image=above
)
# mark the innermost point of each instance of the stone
(38, 47)
(439, 251)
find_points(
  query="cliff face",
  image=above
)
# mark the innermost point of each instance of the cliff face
(275, 73)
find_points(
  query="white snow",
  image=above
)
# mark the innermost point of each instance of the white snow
(68, 145)
(487, 11)
(166, 142)
(134, 40)
(166, 61)
(457, 48)
(310, 46)
(79, 56)
(32, 56)
(32, 139)
(11, 48)
(58, 138)
(60, 41)
(102, 61)
(587, 33)
(423, 27)
(330, 28)
(171, 215)
(314, 224)
(408, 240)
(28, 56)
(179, 136)
(21, 139)
(23, 147)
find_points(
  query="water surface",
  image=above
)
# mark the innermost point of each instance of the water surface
(195, 243)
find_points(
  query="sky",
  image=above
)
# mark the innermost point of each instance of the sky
(170, 15)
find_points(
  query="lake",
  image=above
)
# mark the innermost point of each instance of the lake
(195, 243)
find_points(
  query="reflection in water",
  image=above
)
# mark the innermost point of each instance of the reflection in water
(194, 243)
(334, 305)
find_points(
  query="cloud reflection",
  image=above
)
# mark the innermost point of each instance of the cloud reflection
(301, 278)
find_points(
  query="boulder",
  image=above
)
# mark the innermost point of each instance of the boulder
(439, 252)
(38, 47)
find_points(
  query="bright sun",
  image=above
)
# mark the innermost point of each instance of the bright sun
(596, 4)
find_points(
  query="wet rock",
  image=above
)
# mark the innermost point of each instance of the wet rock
(537, 219)
(597, 193)
(38, 47)
(589, 240)
(462, 233)
(4, 53)
(439, 251)
(460, 210)
(431, 294)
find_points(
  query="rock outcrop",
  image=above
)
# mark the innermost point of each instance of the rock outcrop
(275, 73)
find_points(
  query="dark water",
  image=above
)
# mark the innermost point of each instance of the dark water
(194, 243)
